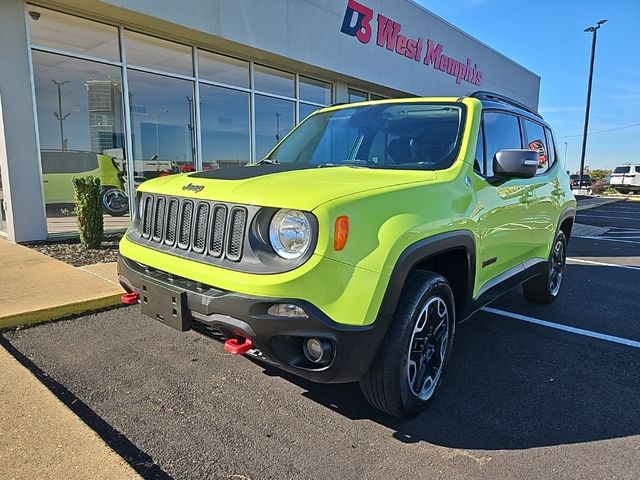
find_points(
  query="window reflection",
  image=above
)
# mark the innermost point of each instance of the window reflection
(80, 125)
(224, 120)
(274, 119)
(357, 96)
(221, 69)
(316, 91)
(306, 110)
(162, 126)
(72, 34)
(158, 54)
(274, 81)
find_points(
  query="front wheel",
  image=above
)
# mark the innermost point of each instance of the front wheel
(411, 362)
(544, 288)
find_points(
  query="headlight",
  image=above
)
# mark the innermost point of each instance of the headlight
(290, 234)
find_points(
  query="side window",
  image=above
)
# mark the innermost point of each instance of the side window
(552, 148)
(535, 140)
(501, 131)
(638, 169)
(478, 163)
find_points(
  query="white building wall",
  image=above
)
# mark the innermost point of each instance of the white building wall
(19, 159)
(308, 31)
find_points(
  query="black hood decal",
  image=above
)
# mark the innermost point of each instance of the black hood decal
(243, 173)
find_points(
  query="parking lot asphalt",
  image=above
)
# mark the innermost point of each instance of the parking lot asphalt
(520, 400)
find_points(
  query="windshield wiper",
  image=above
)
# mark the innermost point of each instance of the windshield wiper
(267, 161)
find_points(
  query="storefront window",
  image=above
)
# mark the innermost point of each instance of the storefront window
(270, 80)
(315, 91)
(80, 123)
(224, 125)
(52, 29)
(274, 118)
(162, 125)
(306, 110)
(151, 52)
(357, 96)
(221, 69)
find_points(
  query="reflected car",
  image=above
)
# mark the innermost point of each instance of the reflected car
(59, 167)
(575, 181)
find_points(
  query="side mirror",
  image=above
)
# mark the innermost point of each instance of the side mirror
(509, 164)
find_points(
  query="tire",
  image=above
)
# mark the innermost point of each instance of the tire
(544, 288)
(114, 202)
(393, 384)
(623, 191)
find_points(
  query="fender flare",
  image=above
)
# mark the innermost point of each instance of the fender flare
(423, 250)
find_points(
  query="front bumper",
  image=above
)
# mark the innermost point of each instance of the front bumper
(277, 339)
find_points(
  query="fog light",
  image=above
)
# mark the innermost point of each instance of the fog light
(287, 310)
(316, 350)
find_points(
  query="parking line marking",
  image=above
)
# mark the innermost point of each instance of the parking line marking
(606, 239)
(566, 328)
(604, 264)
(611, 217)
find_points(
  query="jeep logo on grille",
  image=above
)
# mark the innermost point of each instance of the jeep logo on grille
(193, 188)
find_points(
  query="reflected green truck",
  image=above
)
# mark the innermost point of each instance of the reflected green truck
(350, 252)
(59, 167)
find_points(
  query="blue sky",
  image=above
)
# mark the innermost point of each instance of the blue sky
(548, 38)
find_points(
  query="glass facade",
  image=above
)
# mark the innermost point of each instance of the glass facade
(187, 108)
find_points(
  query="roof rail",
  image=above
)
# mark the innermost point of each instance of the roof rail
(484, 95)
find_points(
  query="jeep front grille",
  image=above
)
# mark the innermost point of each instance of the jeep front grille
(186, 227)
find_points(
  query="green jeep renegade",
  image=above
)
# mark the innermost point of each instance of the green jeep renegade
(350, 252)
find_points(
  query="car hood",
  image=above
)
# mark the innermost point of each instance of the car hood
(282, 186)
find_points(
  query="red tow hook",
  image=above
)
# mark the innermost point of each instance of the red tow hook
(234, 346)
(129, 298)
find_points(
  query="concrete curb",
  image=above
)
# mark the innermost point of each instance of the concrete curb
(57, 312)
(597, 202)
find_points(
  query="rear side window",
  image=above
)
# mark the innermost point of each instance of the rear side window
(535, 140)
(68, 162)
(638, 169)
(622, 170)
(502, 132)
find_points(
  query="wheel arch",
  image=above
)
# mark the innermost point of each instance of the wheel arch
(451, 254)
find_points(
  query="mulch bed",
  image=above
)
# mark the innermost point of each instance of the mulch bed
(71, 252)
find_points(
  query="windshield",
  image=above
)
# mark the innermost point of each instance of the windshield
(387, 135)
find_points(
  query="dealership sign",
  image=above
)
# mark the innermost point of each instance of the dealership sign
(358, 20)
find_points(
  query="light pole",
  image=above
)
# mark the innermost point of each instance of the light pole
(278, 126)
(61, 118)
(594, 31)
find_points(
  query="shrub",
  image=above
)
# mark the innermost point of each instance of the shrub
(89, 210)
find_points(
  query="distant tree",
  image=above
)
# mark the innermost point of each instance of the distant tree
(599, 174)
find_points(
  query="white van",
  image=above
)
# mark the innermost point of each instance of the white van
(626, 178)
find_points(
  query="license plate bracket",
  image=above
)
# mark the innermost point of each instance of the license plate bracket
(166, 304)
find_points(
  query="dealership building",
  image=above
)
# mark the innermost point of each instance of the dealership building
(128, 90)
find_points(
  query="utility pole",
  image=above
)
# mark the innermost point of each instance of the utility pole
(594, 31)
(61, 118)
(278, 127)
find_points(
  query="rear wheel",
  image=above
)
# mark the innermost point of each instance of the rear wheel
(545, 287)
(411, 362)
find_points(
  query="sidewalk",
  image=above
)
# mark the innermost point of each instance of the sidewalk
(37, 288)
(42, 438)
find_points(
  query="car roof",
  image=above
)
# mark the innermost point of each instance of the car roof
(489, 100)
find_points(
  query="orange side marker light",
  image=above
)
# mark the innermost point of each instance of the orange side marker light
(341, 233)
